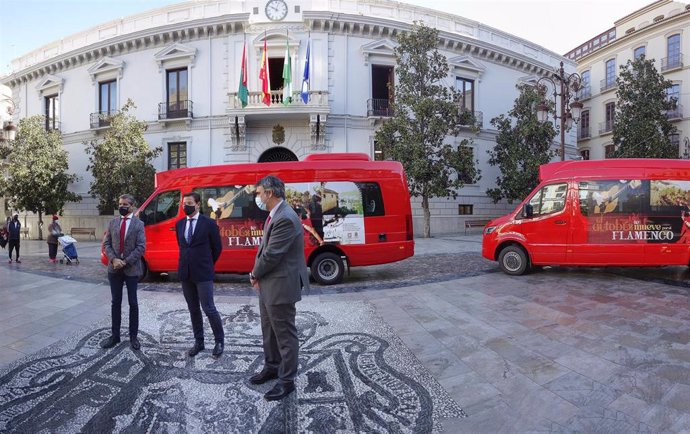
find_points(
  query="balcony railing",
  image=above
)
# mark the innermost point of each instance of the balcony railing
(101, 119)
(317, 98)
(672, 62)
(606, 127)
(472, 118)
(676, 113)
(583, 132)
(585, 92)
(607, 84)
(379, 107)
(175, 110)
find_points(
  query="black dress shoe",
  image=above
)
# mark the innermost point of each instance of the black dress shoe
(134, 343)
(263, 376)
(110, 342)
(280, 391)
(218, 349)
(196, 349)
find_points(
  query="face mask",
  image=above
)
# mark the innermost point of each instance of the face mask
(259, 203)
(189, 209)
(124, 210)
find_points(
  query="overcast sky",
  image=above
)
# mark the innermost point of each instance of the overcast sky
(559, 25)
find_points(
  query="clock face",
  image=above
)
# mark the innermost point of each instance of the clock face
(276, 10)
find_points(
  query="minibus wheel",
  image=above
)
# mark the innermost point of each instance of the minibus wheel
(145, 274)
(513, 260)
(327, 268)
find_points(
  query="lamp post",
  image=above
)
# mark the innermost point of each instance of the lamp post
(9, 130)
(565, 87)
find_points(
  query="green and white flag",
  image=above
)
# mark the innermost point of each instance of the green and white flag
(287, 76)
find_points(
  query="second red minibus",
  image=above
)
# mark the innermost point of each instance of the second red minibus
(616, 212)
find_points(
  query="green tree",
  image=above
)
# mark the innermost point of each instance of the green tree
(426, 113)
(641, 128)
(37, 171)
(522, 145)
(121, 162)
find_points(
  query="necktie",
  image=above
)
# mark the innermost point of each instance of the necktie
(123, 228)
(268, 220)
(190, 230)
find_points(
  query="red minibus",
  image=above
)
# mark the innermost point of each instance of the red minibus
(354, 212)
(616, 212)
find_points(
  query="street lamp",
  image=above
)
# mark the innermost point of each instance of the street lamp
(9, 130)
(568, 84)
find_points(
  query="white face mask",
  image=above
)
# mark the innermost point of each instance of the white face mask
(259, 203)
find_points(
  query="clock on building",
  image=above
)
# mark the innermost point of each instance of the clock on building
(276, 10)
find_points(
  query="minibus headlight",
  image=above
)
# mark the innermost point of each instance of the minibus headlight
(490, 229)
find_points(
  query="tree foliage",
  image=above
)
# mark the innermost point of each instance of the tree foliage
(426, 113)
(522, 145)
(37, 171)
(641, 128)
(121, 162)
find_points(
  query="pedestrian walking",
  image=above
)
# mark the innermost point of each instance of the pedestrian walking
(14, 228)
(54, 232)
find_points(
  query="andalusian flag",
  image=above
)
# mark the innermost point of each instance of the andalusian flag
(287, 76)
(264, 76)
(243, 92)
(305, 78)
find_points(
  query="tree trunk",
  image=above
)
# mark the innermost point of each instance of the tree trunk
(427, 216)
(40, 225)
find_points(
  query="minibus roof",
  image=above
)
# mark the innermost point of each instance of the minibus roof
(332, 161)
(574, 168)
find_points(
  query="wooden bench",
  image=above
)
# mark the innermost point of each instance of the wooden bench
(91, 232)
(25, 232)
(469, 224)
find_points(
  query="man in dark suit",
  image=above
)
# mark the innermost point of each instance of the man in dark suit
(14, 229)
(124, 245)
(200, 246)
(279, 274)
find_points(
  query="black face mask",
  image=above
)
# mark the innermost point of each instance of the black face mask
(124, 210)
(189, 209)
(15, 218)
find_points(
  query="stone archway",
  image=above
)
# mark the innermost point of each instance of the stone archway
(277, 154)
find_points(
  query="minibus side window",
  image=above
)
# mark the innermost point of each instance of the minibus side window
(549, 199)
(235, 201)
(613, 196)
(372, 200)
(163, 207)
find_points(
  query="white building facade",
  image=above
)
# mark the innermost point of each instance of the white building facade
(660, 31)
(181, 66)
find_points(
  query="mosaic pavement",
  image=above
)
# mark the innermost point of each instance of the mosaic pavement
(355, 375)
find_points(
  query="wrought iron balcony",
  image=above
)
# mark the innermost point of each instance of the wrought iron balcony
(676, 113)
(101, 119)
(607, 84)
(606, 127)
(472, 118)
(583, 132)
(672, 62)
(175, 110)
(379, 107)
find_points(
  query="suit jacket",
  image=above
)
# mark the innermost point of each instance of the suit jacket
(14, 229)
(279, 265)
(198, 257)
(135, 245)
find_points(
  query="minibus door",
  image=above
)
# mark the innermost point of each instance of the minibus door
(544, 224)
(159, 216)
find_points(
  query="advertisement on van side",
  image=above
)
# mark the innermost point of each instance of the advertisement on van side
(331, 213)
(636, 211)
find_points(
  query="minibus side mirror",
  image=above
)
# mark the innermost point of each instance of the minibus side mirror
(527, 211)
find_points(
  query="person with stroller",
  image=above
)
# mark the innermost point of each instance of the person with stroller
(54, 232)
(124, 244)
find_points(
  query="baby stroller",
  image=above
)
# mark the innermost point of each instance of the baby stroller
(69, 249)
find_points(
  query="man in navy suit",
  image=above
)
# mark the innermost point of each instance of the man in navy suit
(199, 241)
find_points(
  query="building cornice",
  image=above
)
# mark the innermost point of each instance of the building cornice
(160, 36)
(457, 43)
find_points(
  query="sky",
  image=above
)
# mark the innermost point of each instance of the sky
(558, 25)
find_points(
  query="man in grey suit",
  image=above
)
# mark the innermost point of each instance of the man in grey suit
(124, 245)
(279, 274)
